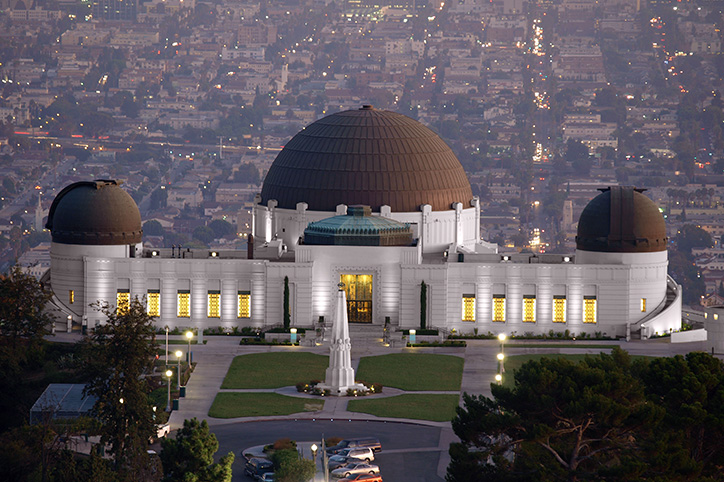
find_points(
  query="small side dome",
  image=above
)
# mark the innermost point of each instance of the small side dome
(621, 220)
(94, 213)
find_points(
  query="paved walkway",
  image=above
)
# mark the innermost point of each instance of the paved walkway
(214, 358)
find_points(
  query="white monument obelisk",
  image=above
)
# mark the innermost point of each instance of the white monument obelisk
(339, 377)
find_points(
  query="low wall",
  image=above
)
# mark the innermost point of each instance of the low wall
(688, 336)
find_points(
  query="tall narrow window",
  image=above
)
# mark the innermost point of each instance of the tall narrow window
(214, 304)
(244, 308)
(468, 307)
(559, 309)
(153, 302)
(529, 309)
(499, 308)
(589, 309)
(123, 301)
(643, 305)
(184, 304)
(71, 296)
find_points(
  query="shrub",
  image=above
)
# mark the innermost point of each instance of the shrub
(332, 441)
(285, 444)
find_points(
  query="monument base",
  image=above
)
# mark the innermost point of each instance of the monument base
(342, 391)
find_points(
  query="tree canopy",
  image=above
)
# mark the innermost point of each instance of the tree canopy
(117, 354)
(190, 457)
(23, 319)
(604, 418)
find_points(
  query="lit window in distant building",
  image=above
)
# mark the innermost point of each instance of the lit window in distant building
(214, 304)
(184, 304)
(589, 309)
(123, 301)
(468, 307)
(499, 308)
(559, 309)
(71, 296)
(244, 309)
(643, 305)
(153, 302)
(529, 309)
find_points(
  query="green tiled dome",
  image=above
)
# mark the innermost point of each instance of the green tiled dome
(358, 228)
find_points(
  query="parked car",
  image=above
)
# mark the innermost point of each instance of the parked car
(348, 455)
(355, 468)
(256, 468)
(363, 477)
(267, 477)
(370, 442)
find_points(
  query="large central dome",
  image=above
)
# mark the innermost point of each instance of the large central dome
(367, 156)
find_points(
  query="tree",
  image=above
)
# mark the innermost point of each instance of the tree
(23, 319)
(287, 316)
(221, 228)
(577, 154)
(153, 228)
(159, 198)
(289, 467)
(560, 421)
(190, 457)
(117, 354)
(691, 390)
(203, 234)
(423, 305)
(691, 236)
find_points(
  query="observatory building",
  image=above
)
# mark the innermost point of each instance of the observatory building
(376, 200)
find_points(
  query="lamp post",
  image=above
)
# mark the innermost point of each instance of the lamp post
(166, 344)
(169, 374)
(314, 453)
(179, 354)
(189, 336)
(501, 355)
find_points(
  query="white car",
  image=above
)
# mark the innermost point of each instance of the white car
(355, 468)
(348, 455)
(163, 430)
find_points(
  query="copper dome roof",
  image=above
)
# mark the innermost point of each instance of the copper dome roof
(369, 157)
(94, 213)
(621, 220)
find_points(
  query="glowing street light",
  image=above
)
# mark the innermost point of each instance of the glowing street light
(179, 354)
(169, 374)
(189, 336)
(501, 355)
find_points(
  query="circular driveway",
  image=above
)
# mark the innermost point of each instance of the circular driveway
(409, 451)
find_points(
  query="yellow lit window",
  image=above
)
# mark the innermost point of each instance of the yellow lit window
(529, 309)
(559, 309)
(184, 304)
(499, 308)
(589, 309)
(244, 308)
(643, 305)
(214, 304)
(468, 307)
(123, 301)
(71, 297)
(153, 307)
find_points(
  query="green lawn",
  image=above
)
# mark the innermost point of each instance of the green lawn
(413, 371)
(232, 405)
(438, 408)
(274, 370)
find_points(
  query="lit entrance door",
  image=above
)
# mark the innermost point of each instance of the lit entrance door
(358, 288)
